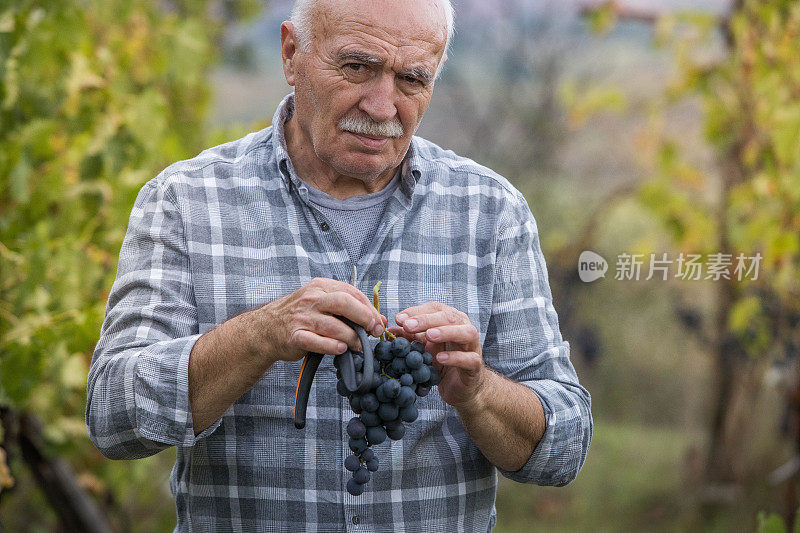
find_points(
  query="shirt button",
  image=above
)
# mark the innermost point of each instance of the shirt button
(324, 226)
(356, 520)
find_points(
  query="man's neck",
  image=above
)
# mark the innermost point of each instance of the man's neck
(320, 175)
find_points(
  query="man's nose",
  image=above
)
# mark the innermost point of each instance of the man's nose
(378, 100)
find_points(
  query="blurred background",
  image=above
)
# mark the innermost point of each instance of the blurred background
(632, 127)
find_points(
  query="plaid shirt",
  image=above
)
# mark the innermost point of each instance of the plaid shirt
(232, 228)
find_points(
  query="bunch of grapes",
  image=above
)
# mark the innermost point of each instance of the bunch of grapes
(403, 372)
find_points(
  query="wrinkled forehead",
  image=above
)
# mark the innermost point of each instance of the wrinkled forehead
(415, 27)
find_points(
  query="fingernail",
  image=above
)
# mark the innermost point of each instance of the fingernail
(434, 334)
(377, 332)
(401, 318)
(411, 323)
(342, 347)
(372, 325)
(442, 357)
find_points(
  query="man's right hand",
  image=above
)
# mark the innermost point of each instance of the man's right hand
(228, 360)
(307, 320)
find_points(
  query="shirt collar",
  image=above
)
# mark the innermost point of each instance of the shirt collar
(410, 168)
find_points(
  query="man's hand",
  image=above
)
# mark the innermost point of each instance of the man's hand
(505, 419)
(455, 345)
(228, 360)
(306, 320)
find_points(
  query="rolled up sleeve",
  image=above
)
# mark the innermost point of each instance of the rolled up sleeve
(138, 385)
(524, 343)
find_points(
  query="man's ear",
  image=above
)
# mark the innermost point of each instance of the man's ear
(288, 50)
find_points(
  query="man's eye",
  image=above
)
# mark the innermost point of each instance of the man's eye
(411, 80)
(355, 68)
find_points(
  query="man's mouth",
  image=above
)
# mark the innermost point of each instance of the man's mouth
(374, 143)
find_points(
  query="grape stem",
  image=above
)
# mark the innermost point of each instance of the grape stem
(376, 301)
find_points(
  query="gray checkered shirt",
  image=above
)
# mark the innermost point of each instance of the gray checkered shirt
(232, 228)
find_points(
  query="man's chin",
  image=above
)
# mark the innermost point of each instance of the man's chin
(362, 166)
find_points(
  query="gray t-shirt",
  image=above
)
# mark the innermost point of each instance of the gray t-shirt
(355, 219)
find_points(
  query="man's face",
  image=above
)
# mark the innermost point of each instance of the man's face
(372, 63)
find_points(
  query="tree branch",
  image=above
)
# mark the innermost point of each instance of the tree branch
(76, 510)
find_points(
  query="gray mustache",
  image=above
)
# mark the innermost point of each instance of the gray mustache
(372, 128)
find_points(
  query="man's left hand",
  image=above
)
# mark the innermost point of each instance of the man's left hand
(454, 344)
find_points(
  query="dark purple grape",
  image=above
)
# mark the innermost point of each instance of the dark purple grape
(369, 402)
(422, 374)
(367, 454)
(399, 366)
(355, 404)
(414, 360)
(361, 476)
(391, 388)
(436, 376)
(405, 397)
(352, 463)
(409, 413)
(376, 435)
(400, 347)
(354, 488)
(401, 374)
(396, 430)
(356, 428)
(381, 351)
(372, 464)
(388, 412)
(380, 394)
(370, 419)
(357, 445)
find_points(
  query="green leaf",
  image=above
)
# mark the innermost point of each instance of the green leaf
(74, 372)
(583, 103)
(770, 524)
(19, 179)
(744, 312)
(7, 21)
(603, 19)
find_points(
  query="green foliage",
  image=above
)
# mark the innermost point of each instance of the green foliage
(773, 523)
(585, 102)
(608, 495)
(744, 74)
(752, 118)
(96, 97)
(603, 18)
(770, 524)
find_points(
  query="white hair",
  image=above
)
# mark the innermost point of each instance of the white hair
(303, 11)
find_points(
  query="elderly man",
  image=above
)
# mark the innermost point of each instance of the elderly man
(234, 268)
